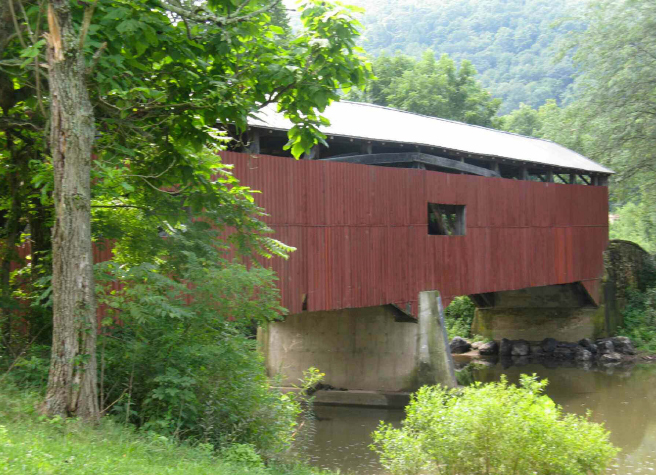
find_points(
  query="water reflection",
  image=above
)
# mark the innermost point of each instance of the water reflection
(342, 437)
(623, 399)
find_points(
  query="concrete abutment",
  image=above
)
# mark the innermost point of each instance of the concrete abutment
(370, 349)
(565, 312)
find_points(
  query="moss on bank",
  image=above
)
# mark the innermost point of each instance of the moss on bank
(31, 444)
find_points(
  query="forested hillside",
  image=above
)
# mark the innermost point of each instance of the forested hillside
(511, 43)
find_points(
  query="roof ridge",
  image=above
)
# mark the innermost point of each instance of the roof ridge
(460, 134)
(451, 121)
(368, 104)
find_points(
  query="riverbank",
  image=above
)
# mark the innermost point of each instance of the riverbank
(603, 352)
(31, 444)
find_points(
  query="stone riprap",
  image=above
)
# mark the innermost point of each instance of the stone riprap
(603, 351)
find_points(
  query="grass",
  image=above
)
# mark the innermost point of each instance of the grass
(32, 444)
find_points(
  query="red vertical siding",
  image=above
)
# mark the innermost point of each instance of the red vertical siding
(361, 232)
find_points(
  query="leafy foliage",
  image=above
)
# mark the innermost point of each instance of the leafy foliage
(640, 318)
(431, 87)
(180, 361)
(496, 428)
(458, 317)
(639, 314)
(635, 222)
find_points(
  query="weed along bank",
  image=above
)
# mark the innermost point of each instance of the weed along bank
(399, 213)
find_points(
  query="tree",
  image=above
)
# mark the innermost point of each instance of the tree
(523, 121)
(432, 87)
(150, 87)
(617, 103)
(72, 382)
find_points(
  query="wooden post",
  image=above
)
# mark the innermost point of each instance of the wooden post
(253, 141)
(495, 167)
(572, 178)
(524, 174)
(550, 176)
(313, 154)
(367, 148)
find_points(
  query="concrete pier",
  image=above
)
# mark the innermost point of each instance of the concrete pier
(367, 349)
(563, 312)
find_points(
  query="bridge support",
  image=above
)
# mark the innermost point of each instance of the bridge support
(434, 363)
(565, 312)
(370, 349)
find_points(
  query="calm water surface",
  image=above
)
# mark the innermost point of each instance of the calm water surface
(623, 399)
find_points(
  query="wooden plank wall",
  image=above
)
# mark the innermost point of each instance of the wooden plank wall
(361, 232)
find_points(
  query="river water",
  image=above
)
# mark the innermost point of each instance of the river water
(624, 399)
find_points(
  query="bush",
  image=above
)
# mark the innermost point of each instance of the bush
(639, 314)
(459, 316)
(495, 428)
(640, 319)
(28, 369)
(181, 360)
(242, 454)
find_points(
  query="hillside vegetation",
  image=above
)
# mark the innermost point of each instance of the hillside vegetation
(511, 43)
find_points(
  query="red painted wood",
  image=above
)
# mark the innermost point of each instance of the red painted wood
(361, 232)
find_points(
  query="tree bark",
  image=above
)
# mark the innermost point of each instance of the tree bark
(72, 382)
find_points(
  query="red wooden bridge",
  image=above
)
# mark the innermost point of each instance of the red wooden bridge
(362, 239)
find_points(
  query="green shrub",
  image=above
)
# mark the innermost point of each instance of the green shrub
(640, 318)
(182, 360)
(242, 454)
(639, 314)
(492, 429)
(29, 369)
(459, 316)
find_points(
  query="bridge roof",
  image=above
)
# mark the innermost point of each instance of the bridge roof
(384, 124)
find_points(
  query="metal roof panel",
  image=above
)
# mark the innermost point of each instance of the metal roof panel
(384, 124)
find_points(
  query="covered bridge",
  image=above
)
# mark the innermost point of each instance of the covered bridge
(399, 204)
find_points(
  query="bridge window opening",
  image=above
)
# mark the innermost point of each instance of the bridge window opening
(446, 220)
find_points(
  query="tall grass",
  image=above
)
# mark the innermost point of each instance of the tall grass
(32, 444)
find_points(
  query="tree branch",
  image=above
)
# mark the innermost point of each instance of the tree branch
(96, 58)
(15, 21)
(86, 22)
(206, 15)
(7, 122)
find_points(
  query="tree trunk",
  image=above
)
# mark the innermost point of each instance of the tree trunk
(72, 382)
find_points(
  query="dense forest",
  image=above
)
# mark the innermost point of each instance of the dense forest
(512, 43)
